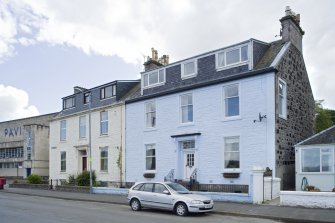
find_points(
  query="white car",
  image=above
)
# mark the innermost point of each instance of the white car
(168, 196)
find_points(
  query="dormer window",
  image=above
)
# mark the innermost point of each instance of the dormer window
(232, 57)
(108, 92)
(153, 78)
(68, 103)
(189, 69)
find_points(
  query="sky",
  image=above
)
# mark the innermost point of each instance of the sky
(47, 47)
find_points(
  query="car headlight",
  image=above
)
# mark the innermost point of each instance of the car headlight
(196, 202)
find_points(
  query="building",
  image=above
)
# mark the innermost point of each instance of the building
(71, 135)
(24, 147)
(314, 158)
(213, 117)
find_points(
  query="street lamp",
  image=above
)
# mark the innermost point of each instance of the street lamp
(84, 90)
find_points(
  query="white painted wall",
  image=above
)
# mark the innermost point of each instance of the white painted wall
(324, 181)
(271, 188)
(257, 140)
(73, 144)
(308, 199)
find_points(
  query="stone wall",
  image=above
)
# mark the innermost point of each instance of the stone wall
(300, 114)
(30, 186)
(308, 199)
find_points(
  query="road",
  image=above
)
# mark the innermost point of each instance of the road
(31, 209)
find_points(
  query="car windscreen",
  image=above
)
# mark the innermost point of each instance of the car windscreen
(178, 188)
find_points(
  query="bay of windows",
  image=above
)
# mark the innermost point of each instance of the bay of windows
(154, 78)
(68, 103)
(186, 108)
(317, 160)
(108, 92)
(232, 57)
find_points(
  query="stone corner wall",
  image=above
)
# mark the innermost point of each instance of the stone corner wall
(300, 114)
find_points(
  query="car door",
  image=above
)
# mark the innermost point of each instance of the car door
(162, 200)
(146, 195)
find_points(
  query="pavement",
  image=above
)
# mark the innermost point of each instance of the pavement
(270, 210)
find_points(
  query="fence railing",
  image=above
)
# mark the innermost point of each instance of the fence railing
(227, 188)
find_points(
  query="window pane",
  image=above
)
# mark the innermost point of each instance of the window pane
(151, 163)
(232, 160)
(159, 188)
(233, 56)
(146, 80)
(231, 91)
(151, 151)
(232, 107)
(147, 187)
(310, 160)
(244, 53)
(221, 61)
(189, 68)
(108, 91)
(161, 76)
(153, 78)
(327, 160)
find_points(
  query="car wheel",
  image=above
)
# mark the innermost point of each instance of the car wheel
(181, 209)
(135, 205)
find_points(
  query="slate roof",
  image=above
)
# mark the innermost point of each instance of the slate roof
(270, 55)
(325, 137)
(264, 65)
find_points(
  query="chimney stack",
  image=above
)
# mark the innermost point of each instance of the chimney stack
(291, 30)
(155, 62)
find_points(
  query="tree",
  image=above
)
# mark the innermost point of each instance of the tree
(323, 117)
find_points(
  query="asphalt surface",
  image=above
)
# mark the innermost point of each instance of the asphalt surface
(16, 208)
(274, 212)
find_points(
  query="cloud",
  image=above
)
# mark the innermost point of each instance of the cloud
(181, 29)
(14, 104)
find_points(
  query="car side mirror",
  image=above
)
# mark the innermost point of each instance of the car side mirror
(166, 192)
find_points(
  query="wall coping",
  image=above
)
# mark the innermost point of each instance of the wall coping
(305, 193)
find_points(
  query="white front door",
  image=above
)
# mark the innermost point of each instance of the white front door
(188, 164)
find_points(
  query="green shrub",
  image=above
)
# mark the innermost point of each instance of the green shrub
(34, 179)
(72, 180)
(83, 179)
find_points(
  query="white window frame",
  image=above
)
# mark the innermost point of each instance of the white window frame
(103, 149)
(232, 170)
(82, 127)
(227, 118)
(181, 109)
(103, 122)
(153, 73)
(150, 112)
(284, 102)
(320, 148)
(183, 75)
(154, 157)
(62, 130)
(62, 160)
(103, 92)
(225, 51)
(73, 100)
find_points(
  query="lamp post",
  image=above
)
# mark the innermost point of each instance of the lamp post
(84, 90)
